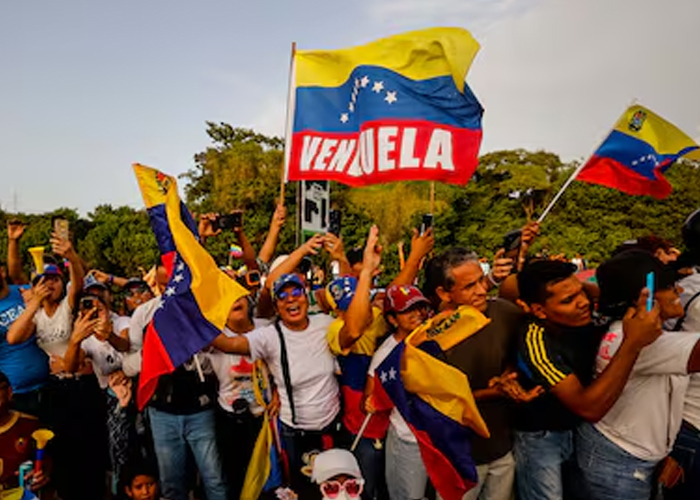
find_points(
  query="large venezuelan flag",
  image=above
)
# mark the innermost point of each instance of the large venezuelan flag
(199, 296)
(435, 398)
(634, 157)
(394, 109)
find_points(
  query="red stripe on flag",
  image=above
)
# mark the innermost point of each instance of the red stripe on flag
(155, 362)
(387, 151)
(610, 173)
(444, 477)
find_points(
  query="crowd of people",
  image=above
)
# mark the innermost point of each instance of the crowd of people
(588, 388)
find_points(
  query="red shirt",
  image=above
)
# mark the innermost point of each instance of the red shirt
(16, 446)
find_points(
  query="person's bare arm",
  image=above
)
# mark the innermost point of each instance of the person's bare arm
(268, 248)
(64, 249)
(15, 230)
(248, 250)
(421, 246)
(311, 247)
(108, 279)
(335, 248)
(23, 327)
(641, 328)
(233, 345)
(359, 314)
(83, 327)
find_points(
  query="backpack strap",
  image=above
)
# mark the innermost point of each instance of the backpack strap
(285, 370)
(679, 323)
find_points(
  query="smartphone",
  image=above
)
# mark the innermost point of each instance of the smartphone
(650, 286)
(511, 241)
(236, 219)
(426, 223)
(88, 304)
(60, 227)
(334, 222)
(224, 222)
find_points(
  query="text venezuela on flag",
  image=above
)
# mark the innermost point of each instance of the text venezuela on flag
(395, 109)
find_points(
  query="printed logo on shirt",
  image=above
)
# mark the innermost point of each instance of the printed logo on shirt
(9, 316)
(605, 345)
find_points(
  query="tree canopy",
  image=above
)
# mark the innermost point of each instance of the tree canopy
(241, 169)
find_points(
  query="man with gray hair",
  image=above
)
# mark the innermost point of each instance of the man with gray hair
(453, 279)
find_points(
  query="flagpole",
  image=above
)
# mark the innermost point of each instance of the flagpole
(432, 197)
(291, 101)
(579, 168)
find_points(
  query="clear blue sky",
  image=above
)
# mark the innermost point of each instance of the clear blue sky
(87, 88)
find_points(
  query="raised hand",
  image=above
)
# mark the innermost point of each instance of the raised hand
(84, 326)
(502, 266)
(422, 244)
(640, 326)
(206, 226)
(39, 292)
(15, 229)
(314, 244)
(334, 246)
(62, 248)
(279, 217)
(372, 255)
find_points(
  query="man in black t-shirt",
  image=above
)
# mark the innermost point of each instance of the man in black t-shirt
(455, 278)
(556, 350)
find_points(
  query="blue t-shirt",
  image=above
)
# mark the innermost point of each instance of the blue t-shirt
(25, 364)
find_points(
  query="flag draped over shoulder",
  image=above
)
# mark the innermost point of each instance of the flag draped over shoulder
(199, 296)
(18, 494)
(394, 109)
(435, 399)
(634, 157)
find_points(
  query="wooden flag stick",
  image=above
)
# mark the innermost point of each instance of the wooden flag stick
(289, 124)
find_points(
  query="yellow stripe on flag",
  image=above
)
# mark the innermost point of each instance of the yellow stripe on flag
(417, 55)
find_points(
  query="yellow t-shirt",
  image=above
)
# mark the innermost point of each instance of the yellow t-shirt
(366, 344)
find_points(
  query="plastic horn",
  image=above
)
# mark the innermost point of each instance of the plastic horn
(41, 436)
(38, 257)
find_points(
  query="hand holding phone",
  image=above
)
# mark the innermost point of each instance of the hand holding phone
(61, 227)
(426, 223)
(650, 287)
(334, 222)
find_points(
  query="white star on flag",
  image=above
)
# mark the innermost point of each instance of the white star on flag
(170, 291)
(378, 87)
(180, 266)
(357, 82)
(391, 97)
(178, 278)
(364, 82)
(344, 118)
(382, 376)
(392, 373)
(351, 107)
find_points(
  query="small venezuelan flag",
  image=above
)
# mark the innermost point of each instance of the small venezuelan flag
(638, 151)
(435, 399)
(394, 109)
(199, 296)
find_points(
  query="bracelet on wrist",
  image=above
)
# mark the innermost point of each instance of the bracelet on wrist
(495, 283)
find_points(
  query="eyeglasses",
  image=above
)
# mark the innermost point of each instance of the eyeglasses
(295, 292)
(353, 487)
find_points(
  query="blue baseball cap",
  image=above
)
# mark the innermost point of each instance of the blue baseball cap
(286, 280)
(92, 282)
(340, 292)
(49, 270)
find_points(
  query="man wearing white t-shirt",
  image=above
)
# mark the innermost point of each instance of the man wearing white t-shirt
(618, 454)
(297, 354)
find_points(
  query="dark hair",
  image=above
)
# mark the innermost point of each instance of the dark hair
(355, 256)
(648, 243)
(137, 467)
(622, 278)
(438, 272)
(536, 276)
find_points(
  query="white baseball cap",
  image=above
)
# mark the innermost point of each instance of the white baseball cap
(334, 462)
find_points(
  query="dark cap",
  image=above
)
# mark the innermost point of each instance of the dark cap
(135, 283)
(622, 278)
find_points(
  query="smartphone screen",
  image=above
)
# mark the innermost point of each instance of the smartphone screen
(334, 222)
(60, 227)
(426, 223)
